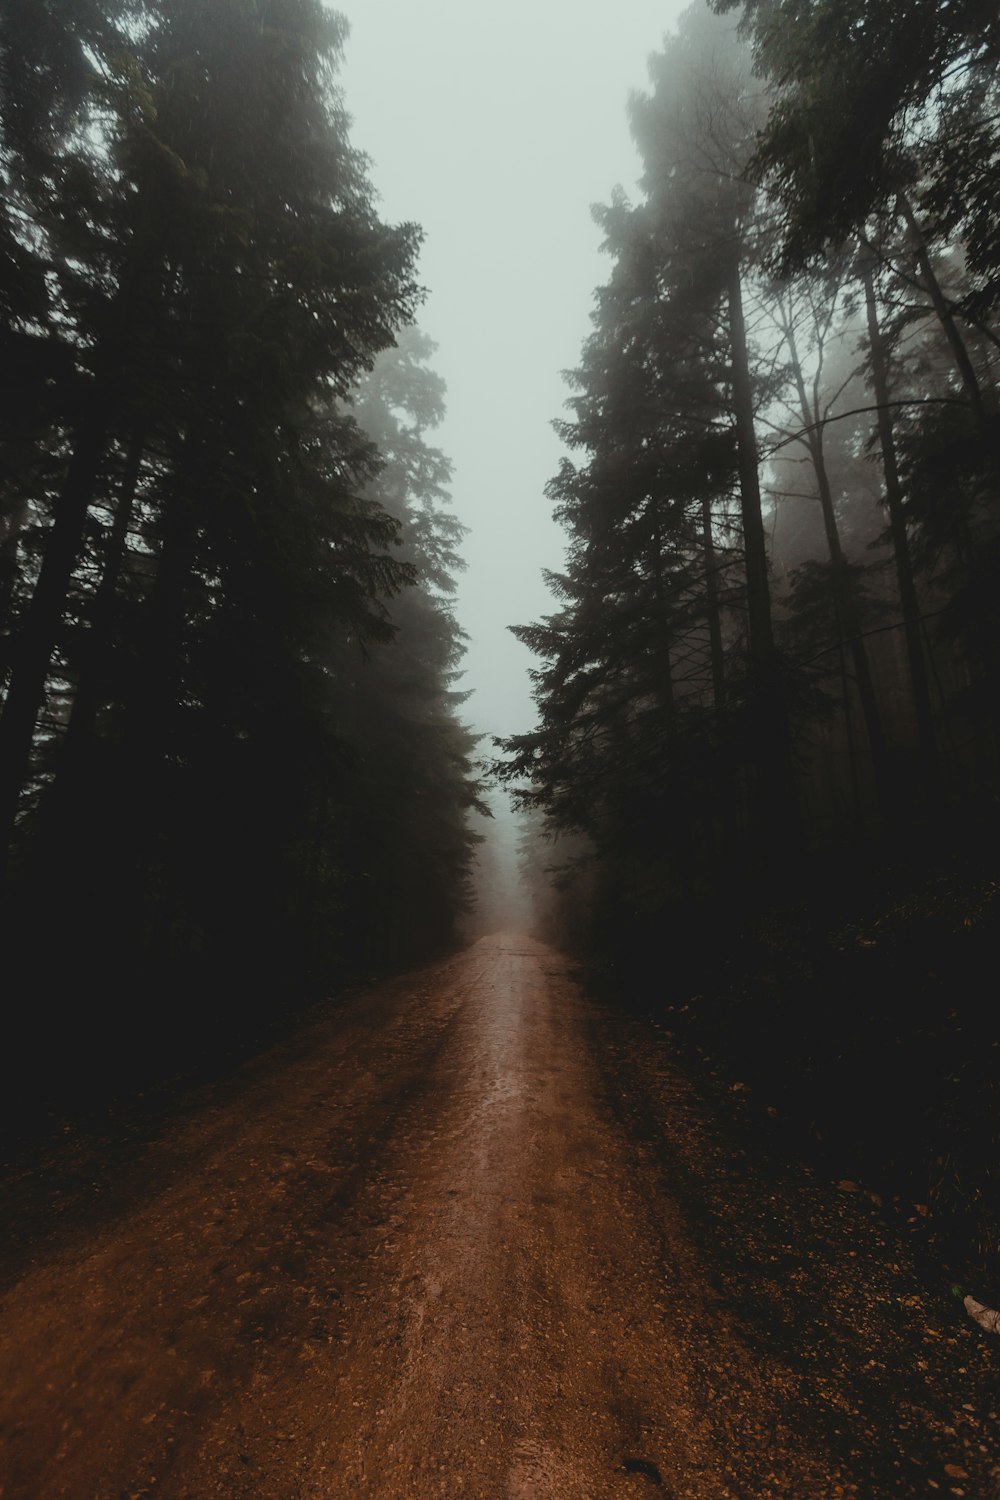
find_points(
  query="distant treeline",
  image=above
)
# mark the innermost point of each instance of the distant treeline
(230, 763)
(776, 660)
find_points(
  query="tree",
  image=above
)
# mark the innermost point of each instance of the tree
(656, 710)
(417, 756)
(209, 545)
(867, 95)
(203, 277)
(818, 301)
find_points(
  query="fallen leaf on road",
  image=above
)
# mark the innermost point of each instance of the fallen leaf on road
(986, 1317)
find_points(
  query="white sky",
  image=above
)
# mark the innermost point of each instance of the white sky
(496, 128)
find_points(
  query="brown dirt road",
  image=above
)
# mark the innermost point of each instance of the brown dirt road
(473, 1236)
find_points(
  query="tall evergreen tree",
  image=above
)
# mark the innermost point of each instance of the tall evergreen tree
(205, 543)
(654, 739)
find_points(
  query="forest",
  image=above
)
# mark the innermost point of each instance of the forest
(233, 768)
(765, 774)
(335, 1161)
(234, 772)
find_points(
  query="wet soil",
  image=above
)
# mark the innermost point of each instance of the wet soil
(473, 1234)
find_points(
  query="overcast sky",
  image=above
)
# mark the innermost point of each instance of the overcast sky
(496, 128)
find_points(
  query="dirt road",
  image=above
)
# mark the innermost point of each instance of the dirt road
(471, 1236)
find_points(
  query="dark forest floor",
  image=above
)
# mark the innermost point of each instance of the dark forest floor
(853, 1022)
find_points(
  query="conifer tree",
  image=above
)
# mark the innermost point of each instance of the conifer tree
(204, 546)
(647, 721)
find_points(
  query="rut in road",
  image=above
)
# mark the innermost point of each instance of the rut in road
(421, 1256)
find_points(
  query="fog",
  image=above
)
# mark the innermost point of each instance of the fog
(496, 129)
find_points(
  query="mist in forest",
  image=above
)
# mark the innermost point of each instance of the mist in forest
(500, 747)
(497, 131)
(422, 407)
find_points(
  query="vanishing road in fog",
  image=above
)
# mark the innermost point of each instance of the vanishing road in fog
(472, 1236)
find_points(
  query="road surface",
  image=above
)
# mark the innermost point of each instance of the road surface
(470, 1235)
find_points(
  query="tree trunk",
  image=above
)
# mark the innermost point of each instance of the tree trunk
(848, 614)
(776, 765)
(926, 745)
(680, 831)
(13, 524)
(983, 404)
(712, 605)
(160, 671)
(40, 627)
(664, 666)
(97, 648)
(754, 542)
(852, 759)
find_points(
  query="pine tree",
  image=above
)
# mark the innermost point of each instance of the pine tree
(210, 546)
(651, 716)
